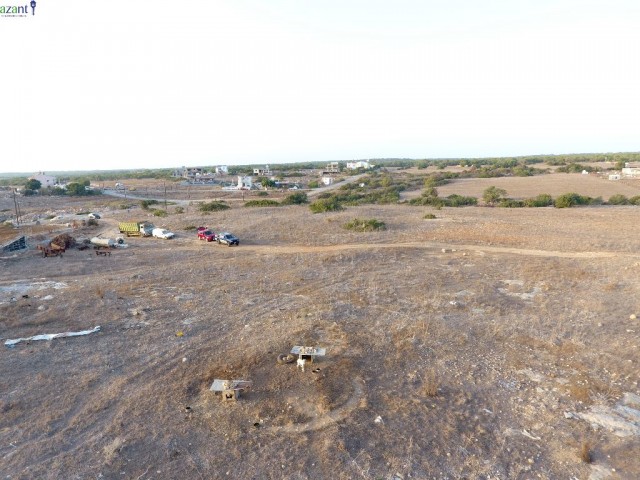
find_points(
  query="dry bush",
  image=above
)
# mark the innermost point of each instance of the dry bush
(431, 383)
(586, 452)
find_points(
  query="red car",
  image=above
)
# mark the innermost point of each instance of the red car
(207, 235)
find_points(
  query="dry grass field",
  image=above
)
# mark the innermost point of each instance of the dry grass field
(485, 343)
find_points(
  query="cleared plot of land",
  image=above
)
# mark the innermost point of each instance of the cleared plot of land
(554, 184)
(468, 346)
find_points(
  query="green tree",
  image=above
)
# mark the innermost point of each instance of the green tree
(75, 188)
(33, 184)
(493, 195)
(267, 182)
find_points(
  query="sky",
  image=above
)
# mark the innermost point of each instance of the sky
(142, 84)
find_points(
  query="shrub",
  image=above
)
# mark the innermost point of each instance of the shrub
(314, 184)
(429, 216)
(297, 198)
(493, 195)
(159, 213)
(262, 193)
(634, 200)
(542, 200)
(179, 210)
(511, 203)
(361, 225)
(618, 200)
(428, 200)
(145, 204)
(262, 203)
(460, 201)
(569, 200)
(574, 168)
(213, 206)
(326, 205)
(190, 227)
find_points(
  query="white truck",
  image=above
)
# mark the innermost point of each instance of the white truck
(162, 233)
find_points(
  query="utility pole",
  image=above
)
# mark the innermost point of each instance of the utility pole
(165, 195)
(15, 204)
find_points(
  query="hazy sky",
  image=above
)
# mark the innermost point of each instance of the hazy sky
(144, 84)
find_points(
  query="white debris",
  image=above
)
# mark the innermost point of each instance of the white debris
(51, 336)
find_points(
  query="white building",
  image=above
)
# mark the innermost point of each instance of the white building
(629, 171)
(245, 183)
(262, 172)
(45, 180)
(327, 180)
(331, 168)
(222, 169)
(359, 164)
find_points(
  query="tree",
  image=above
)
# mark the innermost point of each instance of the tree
(267, 182)
(75, 188)
(493, 195)
(33, 184)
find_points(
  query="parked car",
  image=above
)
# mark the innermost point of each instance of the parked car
(228, 239)
(94, 216)
(207, 235)
(162, 233)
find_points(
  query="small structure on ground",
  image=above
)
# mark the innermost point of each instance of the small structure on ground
(229, 389)
(307, 354)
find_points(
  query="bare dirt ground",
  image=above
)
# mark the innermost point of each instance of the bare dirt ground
(485, 343)
(554, 184)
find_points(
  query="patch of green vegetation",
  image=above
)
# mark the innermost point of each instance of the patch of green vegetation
(326, 205)
(568, 200)
(365, 225)
(493, 195)
(213, 206)
(542, 200)
(145, 204)
(159, 213)
(511, 203)
(298, 198)
(574, 168)
(429, 216)
(262, 203)
(618, 200)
